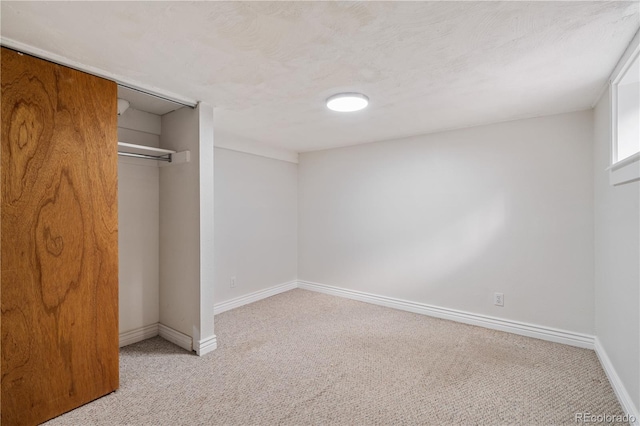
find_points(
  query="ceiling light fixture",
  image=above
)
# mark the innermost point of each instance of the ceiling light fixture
(347, 102)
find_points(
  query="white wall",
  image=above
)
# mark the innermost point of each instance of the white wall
(179, 225)
(186, 252)
(255, 222)
(448, 219)
(138, 220)
(205, 339)
(617, 261)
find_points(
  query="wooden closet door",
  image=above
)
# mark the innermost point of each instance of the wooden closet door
(59, 273)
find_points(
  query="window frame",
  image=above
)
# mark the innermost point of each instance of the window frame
(626, 170)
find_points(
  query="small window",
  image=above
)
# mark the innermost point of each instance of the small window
(625, 120)
(628, 112)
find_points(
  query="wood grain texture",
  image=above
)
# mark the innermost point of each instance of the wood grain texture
(59, 239)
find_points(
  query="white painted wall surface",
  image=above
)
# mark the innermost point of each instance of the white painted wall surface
(180, 225)
(448, 219)
(138, 221)
(140, 121)
(186, 243)
(255, 222)
(617, 260)
(204, 337)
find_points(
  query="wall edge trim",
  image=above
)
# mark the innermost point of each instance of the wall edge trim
(206, 345)
(219, 308)
(616, 383)
(175, 337)
(515, 327)
(138, 334)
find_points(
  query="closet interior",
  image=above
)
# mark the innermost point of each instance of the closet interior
(158, 218)
(139, 157)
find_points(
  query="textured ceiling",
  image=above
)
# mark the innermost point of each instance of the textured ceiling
(267, 67)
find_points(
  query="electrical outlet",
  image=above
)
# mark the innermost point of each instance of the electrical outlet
(498, 299)
(232, 283)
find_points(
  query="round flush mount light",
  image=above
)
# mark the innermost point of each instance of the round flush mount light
(347, 102)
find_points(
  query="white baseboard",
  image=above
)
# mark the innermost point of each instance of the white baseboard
(204, 346)
(218, 308)
(175, 337)
(201, 347)
(139, 334)
(515, 327)
(618, 387)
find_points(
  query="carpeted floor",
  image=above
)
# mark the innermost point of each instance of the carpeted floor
(307, 358)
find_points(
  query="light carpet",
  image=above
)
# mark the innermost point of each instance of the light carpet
(307, 358)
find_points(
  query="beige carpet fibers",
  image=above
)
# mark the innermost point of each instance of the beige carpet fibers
(307, 358)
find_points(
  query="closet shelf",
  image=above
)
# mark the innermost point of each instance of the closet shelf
(152, 153)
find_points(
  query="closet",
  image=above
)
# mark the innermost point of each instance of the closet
(166, 221)
(68, 247)
(139, 161)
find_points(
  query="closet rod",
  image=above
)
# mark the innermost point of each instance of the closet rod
(146, 156)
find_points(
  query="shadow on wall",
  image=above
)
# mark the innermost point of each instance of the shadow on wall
(436, 254)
